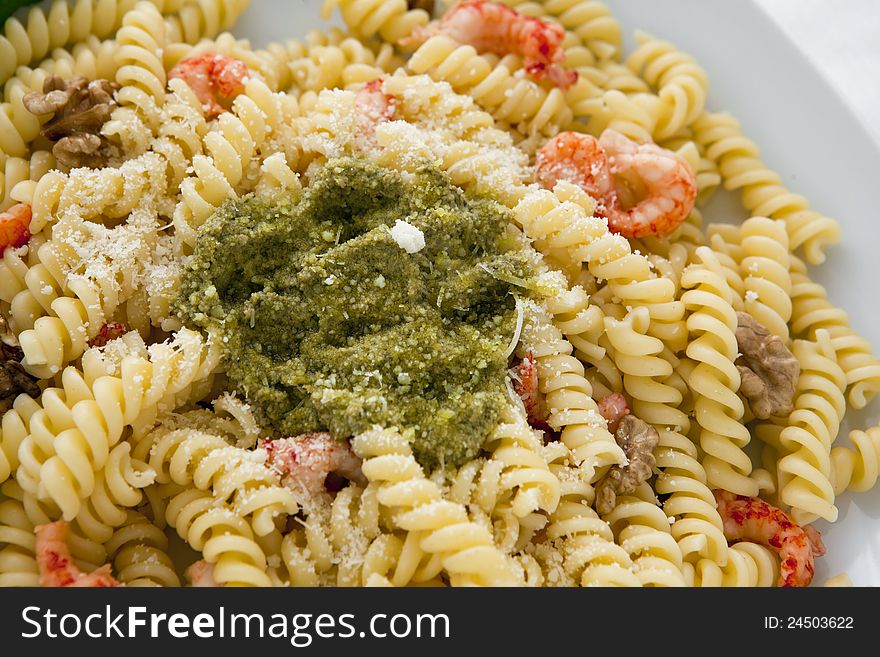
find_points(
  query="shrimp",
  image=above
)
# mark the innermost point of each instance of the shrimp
(14, 226)
(613, 408)
(816, 543)
(201, 574)
(525, 384)
(576, 158)
(108, 332)
(56, 564)
(215, 79)
(305, 461)
(498, 29)
(613, 167)
(372, 107)
(752, 519)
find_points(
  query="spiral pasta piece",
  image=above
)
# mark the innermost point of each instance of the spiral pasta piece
(199, 19)
(811, 312)
(13, 430)
(17, 170)
(59, 309)
(589, 20)
(206, 461)
(580, 549)
(523, 472)
(568, 398)
(72, 434)
(642, 529)
(139, 553)
(19, 514)
(857, 468)
(805, 478)
(715, 379)
(763, 193)
(679, 82)
(343, 544)
(342, 66)
(118, 487)
(240, 135)
(392, 20)
(224, 537)
(439, 529)
(696, 525)
(18, 126)
(509, 98)
(765, 271)
(64, 24)
(559, 220)
(748, 565)
(583, 324)
(141, 76)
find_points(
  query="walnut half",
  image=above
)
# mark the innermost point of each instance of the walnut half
(13, 379)
(768, 370)
(79, 110)
(638, 440)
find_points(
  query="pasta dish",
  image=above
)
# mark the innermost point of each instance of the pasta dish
(427, 299)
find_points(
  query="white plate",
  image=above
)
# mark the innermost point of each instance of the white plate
(805, 132)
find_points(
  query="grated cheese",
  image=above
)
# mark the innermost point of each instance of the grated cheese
(408, 237)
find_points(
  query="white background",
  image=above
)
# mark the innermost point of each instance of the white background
(842, 39)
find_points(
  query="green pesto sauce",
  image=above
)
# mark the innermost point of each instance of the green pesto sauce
(328, 324)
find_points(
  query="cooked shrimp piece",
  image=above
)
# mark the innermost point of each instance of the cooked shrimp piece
(372, 107)
(56, 564)
(305, 461)
(525, 384)
(498, 29)
(14, 226)
(215, 79)
(613, 407)
(608, 167)
(669, 182)
(816, 543)
(579, 159)
(201, 574)
(107, 333)
(752, 519)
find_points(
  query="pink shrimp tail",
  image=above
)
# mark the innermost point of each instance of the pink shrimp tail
(201, 574)
(578, 159)
(816, 543)
(613, 407)
(525, 384)
(305, 461)
(752, 519)
(592, 163)
(56, 564)
(14, 226)
(501, 30)
(229, 76)
(373, 104)
(213, 78)
(372, 107)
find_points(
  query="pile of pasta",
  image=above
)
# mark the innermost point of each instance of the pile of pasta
(133, 441)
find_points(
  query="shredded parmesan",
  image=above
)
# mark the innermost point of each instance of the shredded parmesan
(514, 340)
(408, 237)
